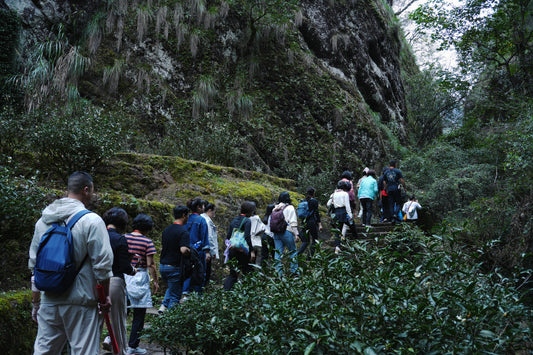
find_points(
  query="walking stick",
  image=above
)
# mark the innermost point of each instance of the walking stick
(101, 296)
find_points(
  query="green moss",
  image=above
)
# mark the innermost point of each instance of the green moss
(17, 330)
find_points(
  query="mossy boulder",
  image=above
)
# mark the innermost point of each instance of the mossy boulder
(17, 330)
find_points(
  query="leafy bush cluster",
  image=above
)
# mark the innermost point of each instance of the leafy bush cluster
(86, 136)
(9, 35)
(67, 138)
(405, 293)
(447, 178)
(478, 179)
(17, 331)
(20, 203)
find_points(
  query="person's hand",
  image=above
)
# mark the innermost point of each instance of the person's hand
(320, 226)
(207, 256)
(296, 238)
(155, 287)
(34, 310)
(105, 307)
(252, 256)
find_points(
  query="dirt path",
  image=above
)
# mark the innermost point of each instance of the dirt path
(153, 349)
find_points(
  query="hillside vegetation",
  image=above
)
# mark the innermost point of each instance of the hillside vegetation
(233, 100)
(138, 183)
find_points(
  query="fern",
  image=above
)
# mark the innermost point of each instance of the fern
(56, 68)
(194, 39)
(119, 33)
(161, 19)
(206, 91)
(197, 8)
(298, 18)
(334, 42)
(93, 33)
(224, 9)
(143, 19)
(178, 14)
(240, 104)
(143, 80)
(208, 20)
(181, 30)
(112, 74)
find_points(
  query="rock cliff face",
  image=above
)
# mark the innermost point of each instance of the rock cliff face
(361, 45)
(303, 98)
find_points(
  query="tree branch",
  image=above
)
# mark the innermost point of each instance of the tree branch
(398, 13)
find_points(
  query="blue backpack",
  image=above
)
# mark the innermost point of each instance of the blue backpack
(55, 267)
(303, 210)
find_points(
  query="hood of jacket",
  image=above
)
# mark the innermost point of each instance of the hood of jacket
(60, 210)
(279, 206)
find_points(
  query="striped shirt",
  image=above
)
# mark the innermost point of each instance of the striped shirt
(139, 247)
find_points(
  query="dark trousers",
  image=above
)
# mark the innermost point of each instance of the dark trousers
(309, 237)
(395, 202)
(242, 260)
(385, 207)
(339, 225)
(208, 270)
(137, 325)
(366, 205)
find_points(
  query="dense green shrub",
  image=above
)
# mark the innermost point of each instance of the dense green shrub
(9, 36)
(479, 180)
(410, 293)
(13, 130)
(74, 137)
(447, 178)
(20, 203)
(17, 330)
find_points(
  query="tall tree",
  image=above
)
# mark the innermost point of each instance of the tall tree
(494, 43)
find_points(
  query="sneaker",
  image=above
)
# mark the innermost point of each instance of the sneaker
(162, 309)
(137, 350)
(106, 345)
(337, 250)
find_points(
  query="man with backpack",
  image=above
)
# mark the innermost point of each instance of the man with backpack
(73, 315)
(392, 178)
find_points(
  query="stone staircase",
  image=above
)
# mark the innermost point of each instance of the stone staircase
(375, 230)
(366, 233)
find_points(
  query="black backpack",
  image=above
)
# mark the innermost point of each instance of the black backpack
(391, 180)
(193, 268)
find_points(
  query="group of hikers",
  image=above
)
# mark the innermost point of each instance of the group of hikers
(122, 264)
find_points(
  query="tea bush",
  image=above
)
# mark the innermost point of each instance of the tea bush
(17, 330)
(405, 293)
(20, 203)
(77, 136)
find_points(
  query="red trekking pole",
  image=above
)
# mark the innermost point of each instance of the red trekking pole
(101, 296)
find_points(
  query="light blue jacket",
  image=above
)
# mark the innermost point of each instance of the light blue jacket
(368, 188)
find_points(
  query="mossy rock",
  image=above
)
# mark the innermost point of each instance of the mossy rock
(17, 330)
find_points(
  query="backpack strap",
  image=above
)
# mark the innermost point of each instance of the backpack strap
(242, 222)
(76, 217)
(71, 224)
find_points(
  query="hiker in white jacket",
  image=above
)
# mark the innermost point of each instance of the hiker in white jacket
(339, 203)
(410, 209)
(73, 315)
(257, 230)
(288, 237)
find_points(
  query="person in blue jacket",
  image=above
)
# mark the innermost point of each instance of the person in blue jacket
(368, 191)
(199, 236)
